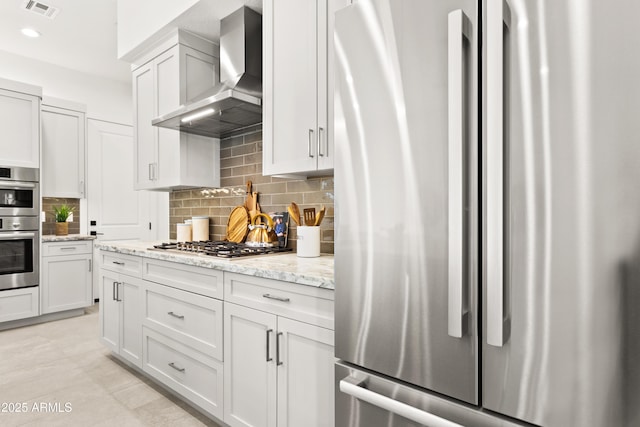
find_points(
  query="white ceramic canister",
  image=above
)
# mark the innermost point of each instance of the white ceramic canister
(200, 228)
(183, 232)
(308, 241)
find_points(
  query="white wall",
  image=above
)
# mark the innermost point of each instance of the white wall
(138, 20)
(108, 100)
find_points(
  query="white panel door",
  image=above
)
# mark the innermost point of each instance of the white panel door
(305, 375)
(249, 367)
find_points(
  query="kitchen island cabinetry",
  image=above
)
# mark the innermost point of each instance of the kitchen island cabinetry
(166, 78)
(278, 370)
(298, 86)
(120, 304)
(247, 350)
(63, 149)
(20, 124)
(66, 276)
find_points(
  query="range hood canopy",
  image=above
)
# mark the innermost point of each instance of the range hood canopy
(236, 101)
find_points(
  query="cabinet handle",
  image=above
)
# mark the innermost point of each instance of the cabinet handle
(118, 263)
(68, 248)
(89, 265)
(113, 288)
(173, 365)
(269, 359)
(278, 361)
(177, 316)
(320, 133)
(118, 291)
(81, 188)
(150, 171)
(310, 142)
(276, 298)
(155, 171)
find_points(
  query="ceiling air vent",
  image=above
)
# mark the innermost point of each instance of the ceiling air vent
(41, 8)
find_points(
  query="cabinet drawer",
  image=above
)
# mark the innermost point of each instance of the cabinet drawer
(67, 248)
(188, 372)
(200, 280)
(185, 317)
(19, 303)
(305, 303)
(127, 264)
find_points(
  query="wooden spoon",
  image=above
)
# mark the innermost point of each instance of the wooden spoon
(295, 214)
(320, 216)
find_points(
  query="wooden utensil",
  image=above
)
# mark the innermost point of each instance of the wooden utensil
(238, 224)
(293, 215)
(296, 213)
(248, 203)
(310, 217)
(320, 216)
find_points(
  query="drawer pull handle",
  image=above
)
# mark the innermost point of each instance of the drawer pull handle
(118, 263)
(177, 316)
(269, 359)
(276, 298)
(68, 248)
(173, 365)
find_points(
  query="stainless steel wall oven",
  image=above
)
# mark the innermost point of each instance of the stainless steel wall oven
(19, 227)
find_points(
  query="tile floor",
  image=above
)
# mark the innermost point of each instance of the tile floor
(63, 362)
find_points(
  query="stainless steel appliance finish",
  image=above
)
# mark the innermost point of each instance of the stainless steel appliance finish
(19, 252)
(557, 220)
(19, 191)
(235, 102)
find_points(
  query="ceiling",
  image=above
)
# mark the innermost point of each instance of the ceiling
(83, 35)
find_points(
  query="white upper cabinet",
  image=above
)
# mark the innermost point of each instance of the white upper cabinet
(63, 149)
(168, 77)
(298, 86)
(20, 124)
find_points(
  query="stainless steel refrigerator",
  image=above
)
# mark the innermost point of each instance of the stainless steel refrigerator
(487, 221)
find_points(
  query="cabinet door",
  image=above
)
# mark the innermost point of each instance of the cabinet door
(249, 367)
(20, 124)
(326, 63)
(130, 295)
(305, 375)
(290, 86)
(109, 310)
(63, 153)
(66, 283)
(145, 134)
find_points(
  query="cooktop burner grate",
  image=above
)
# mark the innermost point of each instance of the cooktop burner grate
(221, 249)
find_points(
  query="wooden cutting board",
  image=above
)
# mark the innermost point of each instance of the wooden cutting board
(238, 224)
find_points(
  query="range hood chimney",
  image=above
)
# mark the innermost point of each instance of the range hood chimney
(236, 101)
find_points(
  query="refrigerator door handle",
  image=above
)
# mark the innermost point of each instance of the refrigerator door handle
(459, 31)
(498, 17)
(353, 387)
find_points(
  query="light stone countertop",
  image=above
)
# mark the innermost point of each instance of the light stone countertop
(53, 238)
(285, 267)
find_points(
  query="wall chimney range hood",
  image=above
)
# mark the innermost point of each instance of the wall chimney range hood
(236, 101)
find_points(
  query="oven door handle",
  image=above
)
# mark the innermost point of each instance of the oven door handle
(18, 185)
(17, 236)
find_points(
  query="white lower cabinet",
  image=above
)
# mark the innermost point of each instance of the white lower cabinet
(120, 318)
(278, 370)
(263, 357)
(19, 303)
(67, 279)
(190, 373)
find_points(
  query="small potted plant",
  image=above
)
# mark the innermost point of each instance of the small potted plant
(62, 214)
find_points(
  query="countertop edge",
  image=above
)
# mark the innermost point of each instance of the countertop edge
(232, 266)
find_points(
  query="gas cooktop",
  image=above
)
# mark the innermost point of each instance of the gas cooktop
(221, 249)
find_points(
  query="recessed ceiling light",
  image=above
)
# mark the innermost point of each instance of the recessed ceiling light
(30, 32)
